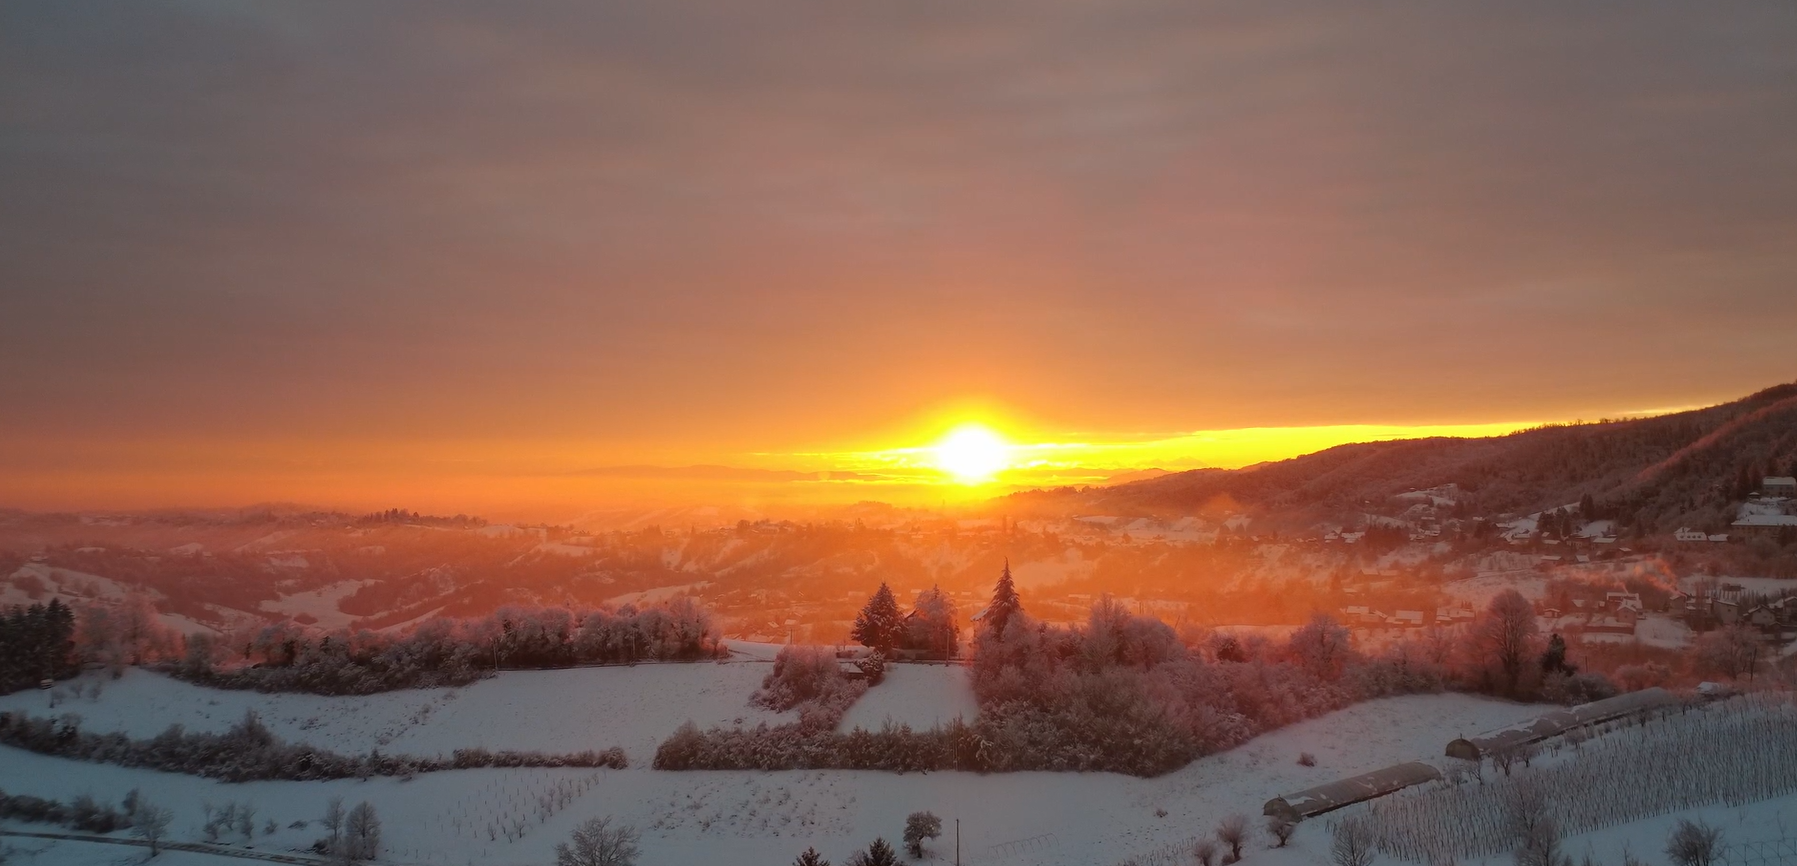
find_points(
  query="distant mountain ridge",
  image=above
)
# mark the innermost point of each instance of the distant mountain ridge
(1682, 466)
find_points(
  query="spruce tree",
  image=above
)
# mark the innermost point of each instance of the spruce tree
(1005, 603)
(878, 625)
(811, 858)
(1554, 658)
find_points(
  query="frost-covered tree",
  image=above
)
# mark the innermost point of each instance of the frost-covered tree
(150, 823)
(879, 853)
(1506, 635)
(1532, 819)
(1694, 843)
(1730, 651)
(879, 625)
(918, 827)
(362, 833)
(598, 842)
(932, 627)
(333, 825)
(1321, 646)
(1005, 602)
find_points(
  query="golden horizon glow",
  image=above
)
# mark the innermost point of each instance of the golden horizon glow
(556, 477)
(972, 454)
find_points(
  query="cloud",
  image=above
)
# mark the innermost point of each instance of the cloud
(715, 230)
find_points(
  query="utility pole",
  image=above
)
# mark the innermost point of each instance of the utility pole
(957, 842)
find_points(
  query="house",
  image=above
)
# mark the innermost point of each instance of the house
(1616, 602)
(1686, 533)
(1779, 485)
(1765, 525)
(1408, 619)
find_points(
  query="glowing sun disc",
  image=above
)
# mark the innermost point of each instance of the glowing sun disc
(972, 454)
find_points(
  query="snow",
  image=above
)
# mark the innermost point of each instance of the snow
(553, 711)
(922, 696)
(320, 603)
(656, 594)
(755, 819)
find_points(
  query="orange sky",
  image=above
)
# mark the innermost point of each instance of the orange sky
(462, 255)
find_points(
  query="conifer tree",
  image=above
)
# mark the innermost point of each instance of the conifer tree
(811, 858)
(879, 625)
(1005, 603)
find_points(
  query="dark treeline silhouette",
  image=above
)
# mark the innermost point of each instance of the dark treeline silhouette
(248, 751)
(37, 643)
(450, 652)
(1650, 474)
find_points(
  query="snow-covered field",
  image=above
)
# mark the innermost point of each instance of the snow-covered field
(922, 696)
(736, 817)
(553, 711)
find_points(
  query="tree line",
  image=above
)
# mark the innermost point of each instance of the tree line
(37, 643)
(249, 752)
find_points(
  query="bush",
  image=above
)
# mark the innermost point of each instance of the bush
(924, 825)
(1694, 843)
(248, 751)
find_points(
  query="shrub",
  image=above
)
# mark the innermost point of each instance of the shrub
(1281, 829)
(924, 825)
(596, 842)
(1694, 843)
(1233, 831)
(1351, 843)
(249, 752)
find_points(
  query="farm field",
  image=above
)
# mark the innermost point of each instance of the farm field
(922, 696)
(505, 816)
(552, 711)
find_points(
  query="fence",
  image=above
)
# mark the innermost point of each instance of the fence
(1770, 852)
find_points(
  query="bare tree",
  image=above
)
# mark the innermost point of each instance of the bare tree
(1504, 757)
(151, 825)
(1694, 843)
(596, 842)
(1507, 634)
(1532, 818)
(362, 832)
(246, 820)
(1321, 646)
(333, 826)
(1233, 831)
(1351, 844)
(1730, 651)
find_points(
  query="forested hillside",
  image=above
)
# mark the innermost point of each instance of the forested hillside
(1652, 472)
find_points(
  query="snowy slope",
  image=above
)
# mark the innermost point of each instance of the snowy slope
(736, 817)
(556, 711)
(922, 696)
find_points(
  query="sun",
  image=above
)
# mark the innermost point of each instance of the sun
(972, 454)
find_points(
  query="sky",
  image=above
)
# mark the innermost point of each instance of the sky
(430, 254)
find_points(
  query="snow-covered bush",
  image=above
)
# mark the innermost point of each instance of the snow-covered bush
(452, 652)
(248, 751)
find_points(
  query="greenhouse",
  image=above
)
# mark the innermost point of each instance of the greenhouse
(1327, 798)
(1559, 722)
